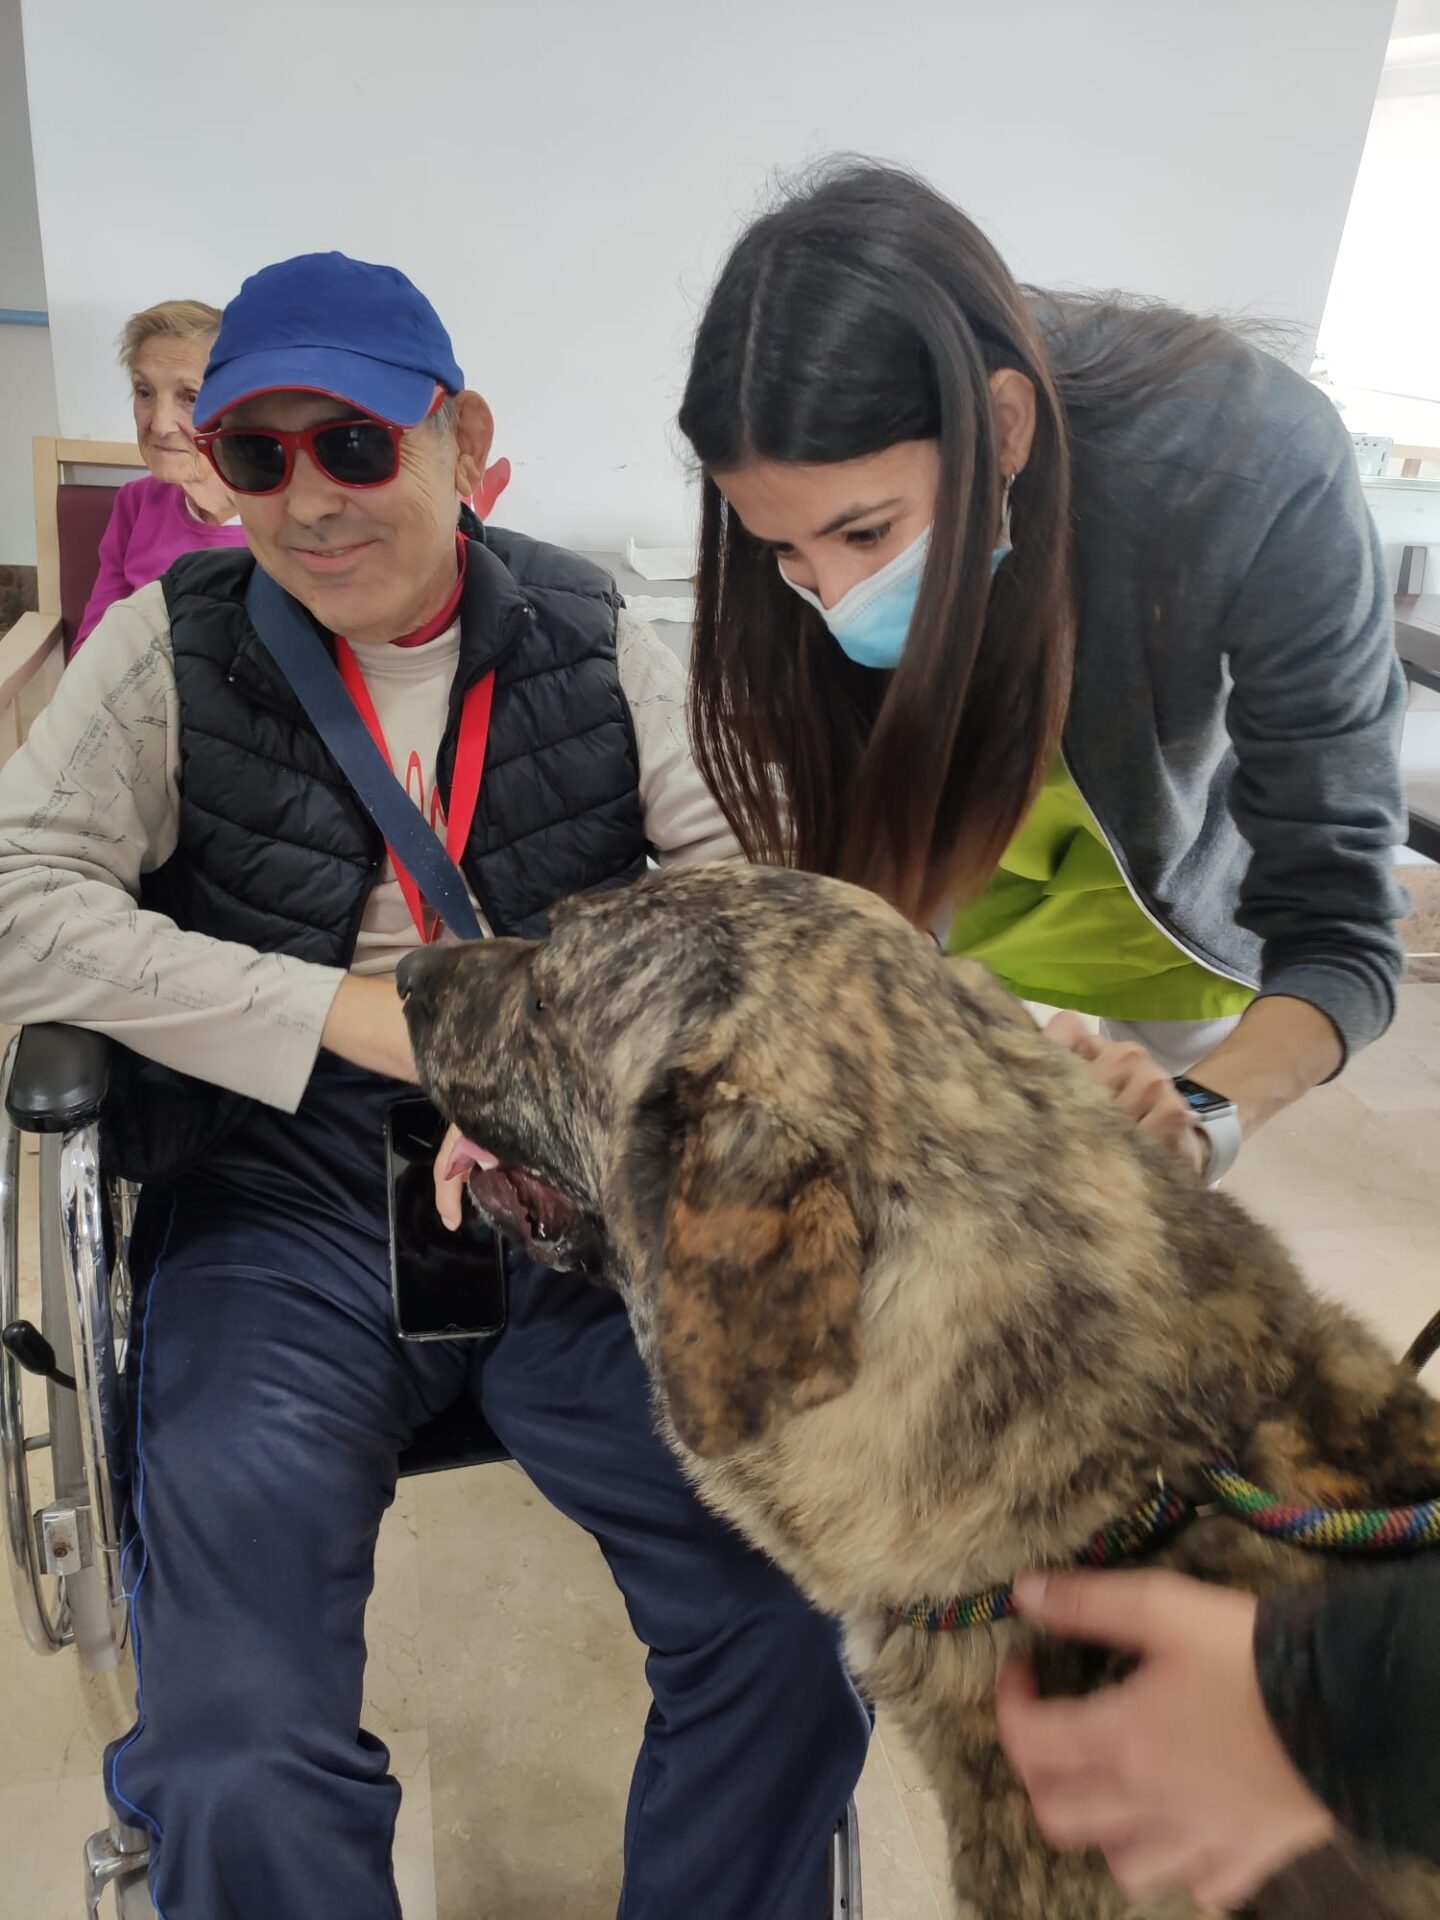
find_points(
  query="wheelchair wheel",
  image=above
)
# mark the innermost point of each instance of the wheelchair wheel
(65, 1556)
(846, 1902)
(42, 1612)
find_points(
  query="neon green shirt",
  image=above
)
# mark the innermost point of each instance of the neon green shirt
(1058, 924)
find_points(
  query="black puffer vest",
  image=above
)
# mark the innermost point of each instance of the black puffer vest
(276, 852)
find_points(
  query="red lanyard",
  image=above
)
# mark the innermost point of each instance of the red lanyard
(464, 789)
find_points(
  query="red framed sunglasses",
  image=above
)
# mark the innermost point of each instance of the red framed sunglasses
(352, 453)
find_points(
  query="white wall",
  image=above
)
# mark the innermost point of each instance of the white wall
(1408, 515)
(27, 408)
(27, 378)
(561, 176)
(1380, 328)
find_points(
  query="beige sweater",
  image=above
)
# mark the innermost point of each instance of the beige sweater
(92, 802)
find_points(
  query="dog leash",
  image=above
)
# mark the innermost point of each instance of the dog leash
(1166, 1512)
(1425, 1345)
(1163, 1513)
(1322, 1529)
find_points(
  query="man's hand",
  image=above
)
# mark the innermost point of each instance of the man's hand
(366, 1026)
(1176, 1774)
(1138, 1086)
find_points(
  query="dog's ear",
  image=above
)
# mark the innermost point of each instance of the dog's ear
(761, 1286)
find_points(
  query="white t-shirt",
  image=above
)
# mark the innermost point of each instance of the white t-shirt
(410, 687)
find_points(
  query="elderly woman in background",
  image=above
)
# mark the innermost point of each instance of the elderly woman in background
(180, 504)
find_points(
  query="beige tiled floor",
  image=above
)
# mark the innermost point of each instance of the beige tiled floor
(503, 1672)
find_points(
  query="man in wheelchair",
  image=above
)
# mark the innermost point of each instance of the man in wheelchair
(186, 869)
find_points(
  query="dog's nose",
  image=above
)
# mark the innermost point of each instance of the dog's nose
(407, 974)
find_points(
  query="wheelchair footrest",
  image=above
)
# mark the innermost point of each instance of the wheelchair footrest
(118, 1857)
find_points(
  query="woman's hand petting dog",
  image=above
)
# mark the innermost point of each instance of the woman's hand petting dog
(1176, 1774)
(1140, 1088)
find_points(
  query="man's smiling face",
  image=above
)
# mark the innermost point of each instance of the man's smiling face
(372, 562)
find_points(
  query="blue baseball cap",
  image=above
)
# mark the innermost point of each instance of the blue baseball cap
(323, 323)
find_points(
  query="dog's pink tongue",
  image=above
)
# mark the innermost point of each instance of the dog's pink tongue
(465, 1154)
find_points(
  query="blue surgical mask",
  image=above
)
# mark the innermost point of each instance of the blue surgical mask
(871, 621)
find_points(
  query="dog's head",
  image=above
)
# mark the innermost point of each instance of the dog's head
(672, 1087)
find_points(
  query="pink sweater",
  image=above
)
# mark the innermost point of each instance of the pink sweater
(151, 525)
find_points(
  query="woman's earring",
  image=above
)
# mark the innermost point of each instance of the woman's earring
(1005, 535)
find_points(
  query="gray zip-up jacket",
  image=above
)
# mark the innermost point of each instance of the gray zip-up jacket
(1236, 712)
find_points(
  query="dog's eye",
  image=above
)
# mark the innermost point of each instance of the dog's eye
(537, 1004)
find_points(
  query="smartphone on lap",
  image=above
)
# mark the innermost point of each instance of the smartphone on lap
(443, 1285)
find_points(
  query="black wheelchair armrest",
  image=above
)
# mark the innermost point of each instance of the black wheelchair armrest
(59, 1078)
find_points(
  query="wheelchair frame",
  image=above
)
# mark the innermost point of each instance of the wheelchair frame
(75, 1540)
(52, 1084)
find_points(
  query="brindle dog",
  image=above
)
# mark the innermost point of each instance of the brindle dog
(920, 1306)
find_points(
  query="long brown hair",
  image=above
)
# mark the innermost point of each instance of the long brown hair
(867, 310)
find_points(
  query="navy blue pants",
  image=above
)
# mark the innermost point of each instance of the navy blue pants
(270, 1401)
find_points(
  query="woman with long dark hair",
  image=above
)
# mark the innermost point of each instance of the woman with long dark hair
(1062, 624)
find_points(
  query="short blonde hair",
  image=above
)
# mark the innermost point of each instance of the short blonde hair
(175, 319)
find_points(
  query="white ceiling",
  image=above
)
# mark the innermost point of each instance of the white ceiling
(1412, 60)
(1415, 17)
